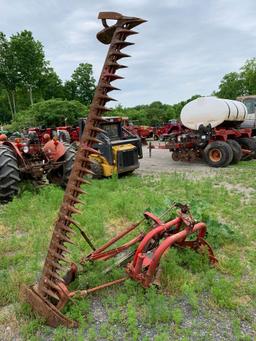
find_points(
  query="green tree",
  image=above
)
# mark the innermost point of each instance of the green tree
(81, 87)
(70, 90)
(5, 113)
(51, 113)
(231, 86)
(29, 59)
(240, 83)
(9, 75)
(50, 85)
(154, 114)
(248, 75)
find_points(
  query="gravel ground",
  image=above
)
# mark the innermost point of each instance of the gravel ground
(161, 162)
(204, 324)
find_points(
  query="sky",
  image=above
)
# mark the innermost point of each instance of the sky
(185, 48)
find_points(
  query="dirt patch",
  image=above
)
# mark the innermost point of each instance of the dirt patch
(9, 327)
(3, 231)
(117, 225)
(246, 192)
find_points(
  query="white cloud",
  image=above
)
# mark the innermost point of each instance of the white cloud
(185, 48)
(235, 15)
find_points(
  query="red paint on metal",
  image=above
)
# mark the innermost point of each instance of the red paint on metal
(54, 150)
(153, 234)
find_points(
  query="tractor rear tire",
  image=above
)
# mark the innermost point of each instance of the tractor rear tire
(218, 154)
(237, 151)
(97, 169)
(9, 174)
(64, 136)
(60, 176)
(250, 144)
(175, 156)
(69, 158)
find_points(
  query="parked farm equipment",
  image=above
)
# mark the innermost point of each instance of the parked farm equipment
(163, 132)
(120, 150)
(144, 132)
(51, 293)
(27, 158)
(211, 130)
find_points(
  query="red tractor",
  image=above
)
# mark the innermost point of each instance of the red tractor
(67, 134)
(30, 158)
(40, 132)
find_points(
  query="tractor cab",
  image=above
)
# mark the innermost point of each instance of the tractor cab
(250, 121)
(120, 149)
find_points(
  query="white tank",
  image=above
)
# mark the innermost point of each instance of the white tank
(213, 111)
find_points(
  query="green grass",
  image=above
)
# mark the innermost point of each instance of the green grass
(112, 204)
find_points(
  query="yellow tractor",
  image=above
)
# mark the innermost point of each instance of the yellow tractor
(120, 150)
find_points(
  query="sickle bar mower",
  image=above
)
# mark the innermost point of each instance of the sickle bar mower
(50, 294)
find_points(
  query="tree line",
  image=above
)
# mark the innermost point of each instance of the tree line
(26, 77)
(32, 93)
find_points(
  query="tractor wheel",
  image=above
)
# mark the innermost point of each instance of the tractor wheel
(237, 151)
(9, 174)
(175, 156)
(218, 154)
(249, 144)
(60, 176)
(64, 136)
(97, 169)
(69, 158)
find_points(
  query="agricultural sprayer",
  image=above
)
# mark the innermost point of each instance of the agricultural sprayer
(143, 251)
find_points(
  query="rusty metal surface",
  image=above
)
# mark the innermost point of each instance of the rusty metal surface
(48, 294)
(44, 309)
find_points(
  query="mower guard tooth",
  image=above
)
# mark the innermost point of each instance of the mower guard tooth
(117, 66)
(122, 44)
(45, 309)
(82, 180)
(77, 189)
(119, 55)
(53, 263)
(86, 170)
(71, 209)
(106, 98)
(108, 87)
(90, 150)
(101, 108)
(50, 293)
(113, 77)
(136, 21)
(127, 32)
(97, 129)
